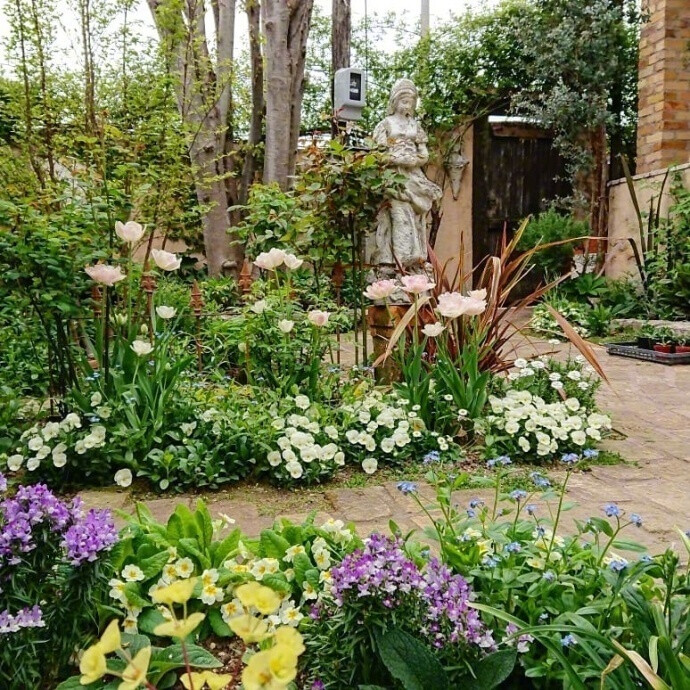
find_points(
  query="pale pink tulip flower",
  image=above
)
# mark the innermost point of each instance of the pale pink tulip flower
(166, 261)
(381, 289)
(105, 274)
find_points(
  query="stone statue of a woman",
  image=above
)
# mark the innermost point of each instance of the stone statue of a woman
(401, 233)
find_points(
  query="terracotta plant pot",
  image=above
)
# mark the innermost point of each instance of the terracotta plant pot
(668, 349)
(682, 349)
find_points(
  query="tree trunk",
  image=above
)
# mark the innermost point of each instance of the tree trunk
(256, 123)
(286, 29)
(341, 32)
(203, 89)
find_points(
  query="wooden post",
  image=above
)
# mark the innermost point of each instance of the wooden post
(382, 322)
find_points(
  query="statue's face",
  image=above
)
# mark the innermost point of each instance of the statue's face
(405, 104)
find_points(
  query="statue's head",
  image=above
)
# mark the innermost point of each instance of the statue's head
(403, 98)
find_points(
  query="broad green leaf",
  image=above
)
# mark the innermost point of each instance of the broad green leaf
(272, 545)
(218, 625)
(492, 670)
(410, 661)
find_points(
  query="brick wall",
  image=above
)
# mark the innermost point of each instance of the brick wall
(663, 136)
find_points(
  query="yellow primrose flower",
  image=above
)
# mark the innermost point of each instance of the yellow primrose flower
(291, 638)
(92, 665)
(250, 629)
(537, 563)
(257, 673)
(282, 663)
(179, 592)
(134, 675)
(179, 628)
(208, 679)
(485, 546)
(110, 639)
(265, 599)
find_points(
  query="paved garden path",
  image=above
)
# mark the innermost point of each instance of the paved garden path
(650, 405)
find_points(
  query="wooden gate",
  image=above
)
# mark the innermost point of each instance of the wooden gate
(516, 172)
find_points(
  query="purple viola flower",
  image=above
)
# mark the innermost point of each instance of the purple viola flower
(612, 510)
(570, 458)
(381, 574)
(3, 483)
(25, 618)
(86, 539)
(591, 453)
(317, 685)
(34, 511)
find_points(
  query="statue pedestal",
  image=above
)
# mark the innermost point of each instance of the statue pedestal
(382, 322)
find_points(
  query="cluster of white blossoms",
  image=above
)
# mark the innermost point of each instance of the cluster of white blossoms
(535, 426)
(386, 427)
(306, 447)
(575, 372)
(52, 441)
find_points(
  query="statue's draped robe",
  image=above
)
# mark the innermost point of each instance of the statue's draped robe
(400, 236)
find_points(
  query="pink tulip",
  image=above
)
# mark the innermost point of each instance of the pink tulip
(478, 294)
(107, 275)
(129, 232)
(318, 318)
(292, 262)
(453, 304)
(433, 330)
(167, 261)
(381, 289)
(416, 283)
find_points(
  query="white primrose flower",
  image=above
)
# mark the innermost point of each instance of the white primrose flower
(132, 573)
(184, 568)
(274, 458)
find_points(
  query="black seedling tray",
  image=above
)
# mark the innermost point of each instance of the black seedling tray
(631, 350)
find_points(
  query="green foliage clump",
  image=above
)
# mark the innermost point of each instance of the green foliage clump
(551, 227)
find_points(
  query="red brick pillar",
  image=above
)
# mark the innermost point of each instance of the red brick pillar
(663, 136)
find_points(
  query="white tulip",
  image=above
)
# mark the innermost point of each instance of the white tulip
(142, 347)
(166, 312)
(167, 261)
(129, 232)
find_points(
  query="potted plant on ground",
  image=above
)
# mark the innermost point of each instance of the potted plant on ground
(683, 346)
(665, 338)
(647, 337)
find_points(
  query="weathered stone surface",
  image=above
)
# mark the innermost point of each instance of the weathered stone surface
(360, 505)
